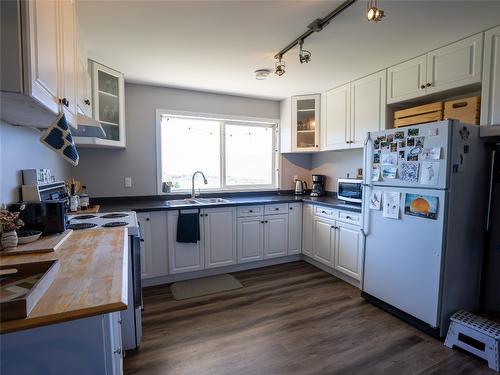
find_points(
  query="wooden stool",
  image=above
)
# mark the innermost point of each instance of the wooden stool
(476, 335)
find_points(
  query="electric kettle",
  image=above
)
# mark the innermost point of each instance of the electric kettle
(300, 187)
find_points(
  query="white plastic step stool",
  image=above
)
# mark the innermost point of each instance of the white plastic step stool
(476, 335)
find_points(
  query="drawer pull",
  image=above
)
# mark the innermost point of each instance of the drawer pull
(348, 217)
(323, 212)
(250, 210)
(291, 208)
(266, 221)
(262, 222)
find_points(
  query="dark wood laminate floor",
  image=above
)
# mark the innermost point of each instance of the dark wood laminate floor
(287, 319)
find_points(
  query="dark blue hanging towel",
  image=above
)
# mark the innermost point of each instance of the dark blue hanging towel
(188, 227)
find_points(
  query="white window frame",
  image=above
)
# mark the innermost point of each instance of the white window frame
(225, 119)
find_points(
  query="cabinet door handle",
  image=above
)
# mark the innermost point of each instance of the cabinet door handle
(118, 351)
(276, 208)
(429, 84)
(262, 222)
(206, 214)
(147, 219)
(64, 102)
(86, 101)
(323, 212)
(266, 221)
(348, 217)
(316, 146)
(422, 87)
(250, 210)
(201, 215)
(291, 208)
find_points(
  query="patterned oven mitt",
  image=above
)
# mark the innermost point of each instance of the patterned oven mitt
(58, 138)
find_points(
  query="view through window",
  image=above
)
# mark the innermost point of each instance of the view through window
(232, 154)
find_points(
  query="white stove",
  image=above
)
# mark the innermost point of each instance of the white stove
(105, 220)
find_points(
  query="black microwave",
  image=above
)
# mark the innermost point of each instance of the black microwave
(350, 190)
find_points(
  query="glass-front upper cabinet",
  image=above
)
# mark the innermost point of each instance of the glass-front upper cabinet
(305, 123)
(107, 107)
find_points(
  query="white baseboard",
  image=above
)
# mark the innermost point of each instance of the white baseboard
(217, 271)
(332, 271)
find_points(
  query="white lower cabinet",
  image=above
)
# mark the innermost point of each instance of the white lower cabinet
(275, 235)
(182, 257)
(336, 244)
(307, 229)
(323, 241)
(348, 249)
(250, 239)
(144, 220)
(294, 228)
(219, 236)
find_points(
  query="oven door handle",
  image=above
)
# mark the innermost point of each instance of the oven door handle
(141, 233)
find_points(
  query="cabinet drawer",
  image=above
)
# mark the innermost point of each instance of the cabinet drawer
(271, 209)
(326, 212)
(246, 211)
(349, 217)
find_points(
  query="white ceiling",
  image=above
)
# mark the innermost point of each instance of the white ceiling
(216, 45)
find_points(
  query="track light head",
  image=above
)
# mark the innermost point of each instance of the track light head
(279, 67)
(304, 55)
(373, 12)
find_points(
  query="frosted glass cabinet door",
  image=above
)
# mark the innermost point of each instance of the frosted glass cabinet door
(305, 123)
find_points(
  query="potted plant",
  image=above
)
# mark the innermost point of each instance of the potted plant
(10, 222)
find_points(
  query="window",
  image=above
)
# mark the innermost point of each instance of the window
(233, 155)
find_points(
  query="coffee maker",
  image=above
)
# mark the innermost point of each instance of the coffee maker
(318, 187)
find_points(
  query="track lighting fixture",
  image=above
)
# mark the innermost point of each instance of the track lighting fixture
(373, 13)
(304, 55)
(314, 27)
(280, 67)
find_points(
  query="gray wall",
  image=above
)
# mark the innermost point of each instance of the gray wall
(103, 171)
(20, 148)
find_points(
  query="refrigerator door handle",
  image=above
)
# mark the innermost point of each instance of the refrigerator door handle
(366, 163)
(490, 192)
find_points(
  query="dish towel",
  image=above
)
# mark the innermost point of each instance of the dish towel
(58, 138)
(188, 228)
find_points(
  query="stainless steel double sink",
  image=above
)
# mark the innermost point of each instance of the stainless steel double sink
(196, 201)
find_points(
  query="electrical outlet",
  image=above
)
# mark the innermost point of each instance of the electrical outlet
(128, 182)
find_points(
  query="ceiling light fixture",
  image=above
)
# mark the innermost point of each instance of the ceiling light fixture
(279, 66)
(304, 55)
(373, 13)
(261, 74)
(314, 27)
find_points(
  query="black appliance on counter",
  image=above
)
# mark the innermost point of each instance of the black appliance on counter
(46, 216)
(318, 186)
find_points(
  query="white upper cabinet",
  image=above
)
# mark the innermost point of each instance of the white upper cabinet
(108, 105)
(38, 77)
(286, 125)
(219, 239)
(305, 126)
(490, 100)
(406, 80)
(352, 110)
(69, 60)
(368, 101)
(336, 130)
(446, 68)
(458, 64)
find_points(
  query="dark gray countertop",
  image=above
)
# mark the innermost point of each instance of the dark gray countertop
(145, 205)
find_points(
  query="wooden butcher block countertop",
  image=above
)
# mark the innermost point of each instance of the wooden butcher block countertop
(92, 278)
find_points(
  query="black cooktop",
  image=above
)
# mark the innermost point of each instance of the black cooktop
(83, 217)
(78, 226)
(113, 216)
(115, 224)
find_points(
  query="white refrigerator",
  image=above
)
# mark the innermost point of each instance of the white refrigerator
(424, 201)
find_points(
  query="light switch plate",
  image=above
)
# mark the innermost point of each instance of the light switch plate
(128, 182)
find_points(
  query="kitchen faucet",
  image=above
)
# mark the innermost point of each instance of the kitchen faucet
(193, 194)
